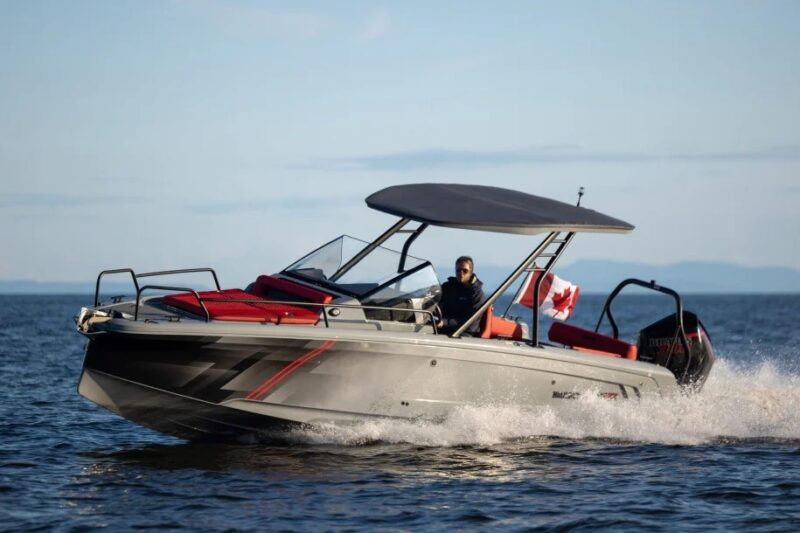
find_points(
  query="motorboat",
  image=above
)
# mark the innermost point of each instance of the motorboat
(348, 333)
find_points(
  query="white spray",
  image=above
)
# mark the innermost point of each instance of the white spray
(759, 402)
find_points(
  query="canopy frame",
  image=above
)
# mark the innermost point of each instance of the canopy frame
(432, 204)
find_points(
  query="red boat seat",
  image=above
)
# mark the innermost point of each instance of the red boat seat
(231, 308)
(272, 288)
(589, 341)
(499, 327)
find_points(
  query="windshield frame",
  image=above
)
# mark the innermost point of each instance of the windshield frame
(336, 287)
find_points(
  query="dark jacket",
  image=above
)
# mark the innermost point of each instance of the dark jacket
(459, 302)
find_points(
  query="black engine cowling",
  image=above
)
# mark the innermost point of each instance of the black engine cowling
(661, 343)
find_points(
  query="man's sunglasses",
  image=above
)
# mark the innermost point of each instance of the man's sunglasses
(459, 270)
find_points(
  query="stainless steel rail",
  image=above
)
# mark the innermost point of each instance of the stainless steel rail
(135, 277)
(256, 301)
(169, 288)
(680, 332)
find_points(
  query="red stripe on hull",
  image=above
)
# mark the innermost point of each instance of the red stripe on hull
(259, 392)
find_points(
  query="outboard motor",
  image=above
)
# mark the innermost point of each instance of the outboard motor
(687, 354)
(681, 345)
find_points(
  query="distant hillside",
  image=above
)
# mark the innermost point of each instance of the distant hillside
(592, 276)
(595, 276)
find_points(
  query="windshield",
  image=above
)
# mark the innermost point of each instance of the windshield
(371, 272)
(417, 289)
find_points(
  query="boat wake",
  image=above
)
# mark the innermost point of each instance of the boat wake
(736, 403)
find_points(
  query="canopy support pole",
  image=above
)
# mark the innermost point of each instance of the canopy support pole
(402, 266)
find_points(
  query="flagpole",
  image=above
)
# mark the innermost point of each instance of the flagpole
(563, 243)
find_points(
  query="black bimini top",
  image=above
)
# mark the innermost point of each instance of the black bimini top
(483, 208)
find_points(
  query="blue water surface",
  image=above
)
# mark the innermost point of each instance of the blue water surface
(727, 459)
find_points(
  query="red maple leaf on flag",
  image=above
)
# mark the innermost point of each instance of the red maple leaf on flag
(558, 305)
(562, 300)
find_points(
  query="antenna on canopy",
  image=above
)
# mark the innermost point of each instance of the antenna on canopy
(580, 194)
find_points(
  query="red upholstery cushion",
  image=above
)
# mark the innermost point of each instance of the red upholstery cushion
(576, 337)
(496, 326)
(233, 310)
(227, 310)
(265, 284)
(506, 328)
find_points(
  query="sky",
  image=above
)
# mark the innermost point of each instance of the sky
(241, 134)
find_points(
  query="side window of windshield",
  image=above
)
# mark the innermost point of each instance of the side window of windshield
(417, 291)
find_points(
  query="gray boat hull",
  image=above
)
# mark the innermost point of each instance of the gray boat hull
(201, 382)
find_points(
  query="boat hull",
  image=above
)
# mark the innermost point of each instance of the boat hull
(176, 415)
(232, 386)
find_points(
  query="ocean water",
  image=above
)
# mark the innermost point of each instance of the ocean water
(725, 459)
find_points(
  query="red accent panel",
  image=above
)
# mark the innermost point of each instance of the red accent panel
(264, 283)
(589, 340)
(262, 390)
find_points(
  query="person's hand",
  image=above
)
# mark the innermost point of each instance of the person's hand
(440, 324)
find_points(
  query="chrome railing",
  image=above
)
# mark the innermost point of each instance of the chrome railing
(255, 301)
(135, 277)
(260, 301)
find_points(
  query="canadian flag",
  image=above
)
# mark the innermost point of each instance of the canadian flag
(557, 297)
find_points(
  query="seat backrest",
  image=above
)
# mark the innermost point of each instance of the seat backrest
(272, 288)
(506, 328)
(493, 326)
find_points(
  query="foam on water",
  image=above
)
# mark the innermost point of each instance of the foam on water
(740, 403)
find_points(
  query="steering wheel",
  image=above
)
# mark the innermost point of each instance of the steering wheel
(436, 314)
